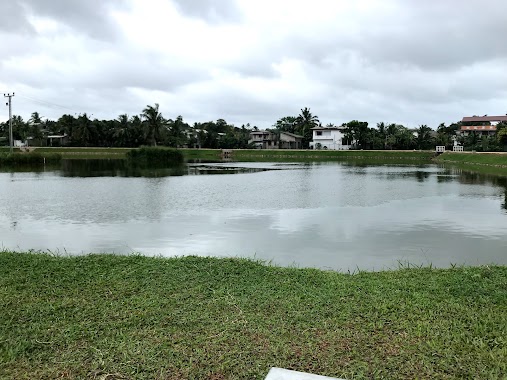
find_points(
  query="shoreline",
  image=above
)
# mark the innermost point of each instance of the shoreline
(479, 162)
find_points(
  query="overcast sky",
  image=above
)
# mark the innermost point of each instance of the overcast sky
(253, 61)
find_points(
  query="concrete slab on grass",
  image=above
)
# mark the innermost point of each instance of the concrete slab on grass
(285, 374)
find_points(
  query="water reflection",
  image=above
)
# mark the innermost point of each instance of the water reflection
(115, 168)
(122, 168)
(329, 215)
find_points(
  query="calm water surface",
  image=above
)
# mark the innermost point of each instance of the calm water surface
(326, 215)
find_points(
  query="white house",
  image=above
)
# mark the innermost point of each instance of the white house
(332, 138)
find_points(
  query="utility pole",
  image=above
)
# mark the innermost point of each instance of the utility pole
(11, 141)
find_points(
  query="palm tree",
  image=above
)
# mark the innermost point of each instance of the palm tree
(382, 130)
(122, 130)
(35, 123)
(392, 132)
(85, 131)
(423, 137)
(154, 121)
(305, 122)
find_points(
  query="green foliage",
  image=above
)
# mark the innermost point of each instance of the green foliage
(358, 134)
(502, 135)
(151, 128)
(152, 156)
(286, 124)
(32, 158)
(103, 316)
(304, 124)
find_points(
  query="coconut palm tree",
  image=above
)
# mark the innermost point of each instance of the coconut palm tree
(382, 131)
(424, 137)
(154, 122)
(85, 130)
(305, 122)
(121, 133)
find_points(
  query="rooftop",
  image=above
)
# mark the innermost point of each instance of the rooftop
(468, 119)
(292, 134)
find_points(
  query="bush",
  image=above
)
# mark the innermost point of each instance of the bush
(32, 158)
(155, 156)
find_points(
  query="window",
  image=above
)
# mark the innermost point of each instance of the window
(319, 133)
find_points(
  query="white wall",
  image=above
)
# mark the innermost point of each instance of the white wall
(329, 139)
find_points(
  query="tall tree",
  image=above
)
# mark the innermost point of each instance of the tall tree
(358, 133)
(154, 122)
(382, 134)
(177, 132)
(20, 128)
(286, 124)
(121, 134)
(86, 131)
(424, 138)
(304, 124)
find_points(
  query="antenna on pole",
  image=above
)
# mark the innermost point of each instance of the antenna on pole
(9, 103)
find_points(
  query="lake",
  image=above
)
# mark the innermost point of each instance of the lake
(328, 215)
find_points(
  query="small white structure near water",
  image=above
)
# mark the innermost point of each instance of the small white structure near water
(332, 138)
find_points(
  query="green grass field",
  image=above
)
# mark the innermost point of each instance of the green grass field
(491, 159)
(87, 153)
(253, 154)
(385, 155)
(485, 163)
(110, 317)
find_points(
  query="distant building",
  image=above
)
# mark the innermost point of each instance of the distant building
(57, 140)
(482, 125)
(290, 141)
(270, 140)
(332, 138)
(263, 140)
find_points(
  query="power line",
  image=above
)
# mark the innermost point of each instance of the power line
(46, 103)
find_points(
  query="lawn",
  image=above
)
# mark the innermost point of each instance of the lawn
(490, 159)
(112, 317)
(373, 155)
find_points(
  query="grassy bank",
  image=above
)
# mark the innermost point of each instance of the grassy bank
(315, 155)
(202, 154)
(87, 153)
(487, 163)
(203, 318)
(255, 154)
(484, 159)
(121, 153)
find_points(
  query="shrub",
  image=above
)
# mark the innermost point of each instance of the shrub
(32, 158)
(155, 156)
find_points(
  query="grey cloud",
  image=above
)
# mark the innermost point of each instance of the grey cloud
(144, 74)
(90, 17)
(131, 69)
(440, 36)
(212, 11)
(13, 18)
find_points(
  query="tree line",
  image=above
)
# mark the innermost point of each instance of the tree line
(148, 128)
(152, 128)
(395, 136)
